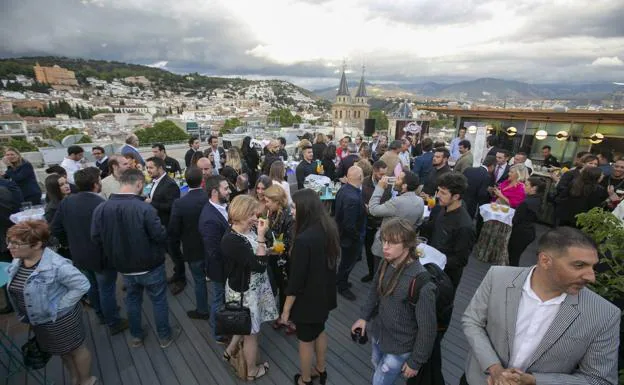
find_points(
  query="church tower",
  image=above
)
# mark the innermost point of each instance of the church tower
(349, 111)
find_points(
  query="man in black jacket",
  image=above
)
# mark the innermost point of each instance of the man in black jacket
(133, 239)
(171, 164)
(350, 218)
(213, 224)
(101, 160)
(162, 194)
(373, 223)
(194, 147)
(479, 180)
(306, 167)
(440, 167)
(183, 226)
(72, 225)
(453, 231)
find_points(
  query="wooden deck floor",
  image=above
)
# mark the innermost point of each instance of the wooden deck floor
(194, 358)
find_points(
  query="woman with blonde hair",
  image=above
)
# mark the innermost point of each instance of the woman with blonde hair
(236, 173)
(511, 191)
(278, 176)
(45, 289)
(22, 173)
(246, 261)
(281, 227)
(271, 155)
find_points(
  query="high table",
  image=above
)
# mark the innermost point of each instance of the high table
(492, 243)
(4, 276)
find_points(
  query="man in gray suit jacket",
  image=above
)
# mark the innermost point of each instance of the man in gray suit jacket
(540, 325)
(407, 205)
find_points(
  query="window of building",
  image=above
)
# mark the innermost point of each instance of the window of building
(340, 114)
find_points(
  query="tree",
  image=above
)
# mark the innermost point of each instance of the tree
(285, 117)
(381, 120)
(230, 124)
(162, 132)
(21, 144)
(58, 135)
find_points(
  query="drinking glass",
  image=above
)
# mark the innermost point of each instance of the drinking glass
(26, 206)
(422, 240)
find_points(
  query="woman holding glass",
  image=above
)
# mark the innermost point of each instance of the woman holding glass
(22, 173)
(45, 289)
(281, 226)
(246, 260)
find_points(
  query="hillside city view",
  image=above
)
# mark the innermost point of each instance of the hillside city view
(312, 192)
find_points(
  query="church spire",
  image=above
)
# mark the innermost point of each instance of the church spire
(343, 89)
(361, 92)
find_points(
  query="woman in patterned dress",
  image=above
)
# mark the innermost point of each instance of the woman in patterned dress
(245, 265)
(45, 289)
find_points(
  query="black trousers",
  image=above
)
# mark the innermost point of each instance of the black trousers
(454, 274)
(348, 258)
(463, 381)
(431, 372)
(278, 280)
(369, 238)
(179, 269)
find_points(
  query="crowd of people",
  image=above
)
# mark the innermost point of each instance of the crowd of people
(411, 206)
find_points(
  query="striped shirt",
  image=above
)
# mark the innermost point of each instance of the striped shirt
(17, 288)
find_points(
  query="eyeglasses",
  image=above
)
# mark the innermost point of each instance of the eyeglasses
(15, 245)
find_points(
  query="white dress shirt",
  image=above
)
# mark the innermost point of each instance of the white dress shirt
(155, 183)
(71, 166)
(220, 209)
(534, 318)
(499, 171)
(217, 159)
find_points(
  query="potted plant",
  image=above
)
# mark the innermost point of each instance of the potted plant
(608, 233)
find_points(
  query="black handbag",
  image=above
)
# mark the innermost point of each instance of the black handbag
(34, 358)
(233, 319)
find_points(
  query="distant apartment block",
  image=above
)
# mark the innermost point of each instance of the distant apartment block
(12, 125)
(6, 107)
(57, 77)
(138, 80)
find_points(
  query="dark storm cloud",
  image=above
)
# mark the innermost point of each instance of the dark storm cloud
(201, 36)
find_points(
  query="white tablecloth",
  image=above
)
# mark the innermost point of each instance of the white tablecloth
(28, 215)
(431, 255)
(490, 215)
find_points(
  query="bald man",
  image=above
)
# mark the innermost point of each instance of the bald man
(207, 170)
(350, 216)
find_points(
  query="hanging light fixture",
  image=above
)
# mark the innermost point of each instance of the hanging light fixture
(512, 131)
(541, 134)
(597, 137)
(562, 135)
(472, 129)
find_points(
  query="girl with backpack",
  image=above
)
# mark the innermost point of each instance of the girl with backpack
(402, 333)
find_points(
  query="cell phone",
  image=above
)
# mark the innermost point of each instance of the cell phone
(392, 180)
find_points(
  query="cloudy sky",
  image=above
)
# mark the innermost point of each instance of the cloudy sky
(306, 41)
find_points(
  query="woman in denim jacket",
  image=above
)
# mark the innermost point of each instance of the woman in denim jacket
(45, 289)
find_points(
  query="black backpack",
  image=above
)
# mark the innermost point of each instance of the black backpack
(445, 293)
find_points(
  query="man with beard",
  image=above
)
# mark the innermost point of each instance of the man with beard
(213, 223)
(440, 167)
(540, 324)
(406, 205)
(373, 223)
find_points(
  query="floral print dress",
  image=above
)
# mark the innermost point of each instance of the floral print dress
(259, 298)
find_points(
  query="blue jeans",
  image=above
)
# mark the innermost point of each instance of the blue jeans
(198, 269)
(155, 283)
(94, 294)
(218, 299)
(107, 283)
(388, 367)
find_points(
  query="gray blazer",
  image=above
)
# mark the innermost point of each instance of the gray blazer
(580, 346)
(407, 205)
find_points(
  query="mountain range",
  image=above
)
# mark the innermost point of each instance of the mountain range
(485, 89)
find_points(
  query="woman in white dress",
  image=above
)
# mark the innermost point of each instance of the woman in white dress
(245, 265)
(278, 176)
